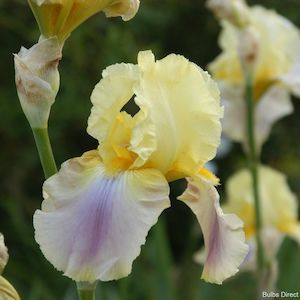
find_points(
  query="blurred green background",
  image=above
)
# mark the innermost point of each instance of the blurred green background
(165, 26)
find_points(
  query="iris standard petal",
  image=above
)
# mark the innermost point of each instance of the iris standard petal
(184, 109)
(92, 225)
(224, 239)
(116, 131)
(109, 96)
(177, 129)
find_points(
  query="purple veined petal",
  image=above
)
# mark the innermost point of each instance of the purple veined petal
(225, 247)
(92, 225)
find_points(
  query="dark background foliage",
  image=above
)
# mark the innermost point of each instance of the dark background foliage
(165, 26)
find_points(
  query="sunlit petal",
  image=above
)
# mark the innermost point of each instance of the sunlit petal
(92, 225)
(224, 239)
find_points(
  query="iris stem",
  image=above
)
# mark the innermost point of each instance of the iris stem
(167, 290)
(43, 145)
(253, 166)
(86, 291)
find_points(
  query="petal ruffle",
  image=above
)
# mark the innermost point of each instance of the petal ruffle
(224, 239)
(97, 222)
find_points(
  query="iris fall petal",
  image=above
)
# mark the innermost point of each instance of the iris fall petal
(225, 247)
(97, 222)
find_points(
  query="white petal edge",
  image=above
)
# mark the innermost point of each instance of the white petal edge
(292, 79)
(225, 247)
(273, 105)
(92, 226)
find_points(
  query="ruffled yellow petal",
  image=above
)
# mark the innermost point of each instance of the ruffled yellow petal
(97, 221)
(278, 203)
(225, 247)
(177, 128)
(112, 128)
(184, 109)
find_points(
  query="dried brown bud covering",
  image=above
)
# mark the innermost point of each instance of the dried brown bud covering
(37, 80)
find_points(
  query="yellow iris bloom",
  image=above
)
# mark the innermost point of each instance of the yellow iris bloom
(279, 209)
(60, 17)
(278, 51)
(270, 46)
(278, 203)
(99, 207)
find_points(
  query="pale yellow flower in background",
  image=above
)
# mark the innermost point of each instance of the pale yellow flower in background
(279, 51)
(272, 44)
(60, 17)
(279, 209)
(99, 207)
(279, 206)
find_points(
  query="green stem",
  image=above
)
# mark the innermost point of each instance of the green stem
(43, 145)
(167, 290)
(253, 165)
(86, 291)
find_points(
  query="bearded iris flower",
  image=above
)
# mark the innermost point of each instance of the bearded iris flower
(60, 17)
(276, 72)
(99, 207)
